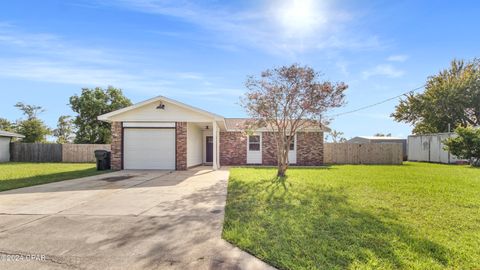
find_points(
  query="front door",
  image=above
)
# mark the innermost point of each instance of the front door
(209, 144)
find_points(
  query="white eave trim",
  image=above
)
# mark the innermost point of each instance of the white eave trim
(149, 124)
(107, 116)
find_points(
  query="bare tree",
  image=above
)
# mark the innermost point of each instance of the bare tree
(288, 99)
(337, 136)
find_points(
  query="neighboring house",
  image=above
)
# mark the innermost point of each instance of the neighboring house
(381, 139)
(5, 139)
(161, 133)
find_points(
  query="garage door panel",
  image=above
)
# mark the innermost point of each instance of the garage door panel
(149, 149)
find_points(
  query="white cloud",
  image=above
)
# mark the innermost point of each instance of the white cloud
(275, 26)
(397, 58)
(49, 58)
(386, 70)
(63, 72)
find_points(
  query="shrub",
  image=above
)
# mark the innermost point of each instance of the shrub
(466, 144)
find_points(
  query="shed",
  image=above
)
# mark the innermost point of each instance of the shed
(381, 139)
(5, 139)
(430, 148)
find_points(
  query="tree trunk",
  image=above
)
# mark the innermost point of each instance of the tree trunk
(281, 171)
(282, 161)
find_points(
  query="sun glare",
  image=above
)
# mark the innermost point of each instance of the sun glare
(300, 16)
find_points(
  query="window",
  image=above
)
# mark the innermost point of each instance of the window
(292, 143)
(254, 143)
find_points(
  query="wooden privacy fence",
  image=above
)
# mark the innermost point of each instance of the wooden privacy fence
(363, 153)
(81, 152)
(52, 152)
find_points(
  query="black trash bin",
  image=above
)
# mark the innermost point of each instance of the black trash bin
(103, 159)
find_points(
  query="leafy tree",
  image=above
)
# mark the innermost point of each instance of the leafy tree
(288, 99)
(451, 97)
(336, 136)
(89, 105)
(6, 125)
(64, 130)
(32, 128)
(466, 144)
(31, 111)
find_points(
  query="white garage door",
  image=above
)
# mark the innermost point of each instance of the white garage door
(149, 148)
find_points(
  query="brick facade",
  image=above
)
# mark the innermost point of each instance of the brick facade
(233, 148)
(309, 148)
(181, 146)
(116, 157)
(269, 149)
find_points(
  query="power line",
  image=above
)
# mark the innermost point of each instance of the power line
(378, 103)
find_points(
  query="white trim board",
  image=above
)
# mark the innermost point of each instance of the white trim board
(149, 124)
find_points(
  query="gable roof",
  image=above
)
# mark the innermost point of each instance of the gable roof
(4, 133)
(230, 124)
(235, 123)
(240, 123)
(105, 117)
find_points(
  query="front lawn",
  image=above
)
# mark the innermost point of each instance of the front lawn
(411, 216)
(20, 174)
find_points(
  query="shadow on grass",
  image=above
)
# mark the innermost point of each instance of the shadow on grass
(320, 229)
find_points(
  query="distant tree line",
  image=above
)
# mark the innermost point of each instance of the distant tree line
(82, 128)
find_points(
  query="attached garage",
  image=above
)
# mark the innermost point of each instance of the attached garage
(149, 148)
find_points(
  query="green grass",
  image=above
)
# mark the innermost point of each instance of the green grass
(411, 216)
(20, 174)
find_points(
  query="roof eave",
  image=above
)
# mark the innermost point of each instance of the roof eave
(107, 117)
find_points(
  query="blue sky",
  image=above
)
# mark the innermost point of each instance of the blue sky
(200, 52)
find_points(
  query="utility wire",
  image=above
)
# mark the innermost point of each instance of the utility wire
(378, 103)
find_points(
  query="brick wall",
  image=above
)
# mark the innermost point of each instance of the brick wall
(116, 158)
(269, 149)
(181, 146)
(310, 148)
(233, 148)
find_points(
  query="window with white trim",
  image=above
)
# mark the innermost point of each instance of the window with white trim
(292, 143)
(254, 143)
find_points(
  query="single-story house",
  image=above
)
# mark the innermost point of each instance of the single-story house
(162, 133)
(5, 139)
(381, 139)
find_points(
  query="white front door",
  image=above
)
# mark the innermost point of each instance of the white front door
(292, 151)
(254, 149)
(149, 148)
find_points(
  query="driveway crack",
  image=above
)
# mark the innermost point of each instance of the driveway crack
(23, 224)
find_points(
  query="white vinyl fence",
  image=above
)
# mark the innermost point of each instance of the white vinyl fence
(430, 148)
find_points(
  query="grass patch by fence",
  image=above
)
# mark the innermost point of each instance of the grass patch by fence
(19, 174)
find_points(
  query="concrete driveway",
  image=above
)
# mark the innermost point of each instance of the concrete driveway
(121, 220)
